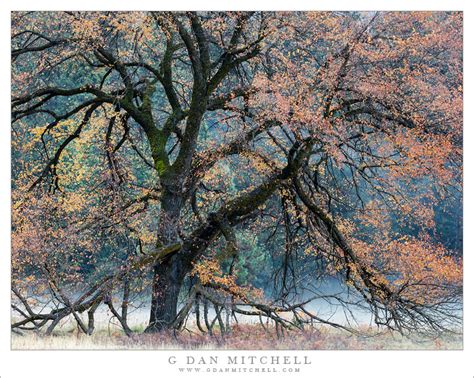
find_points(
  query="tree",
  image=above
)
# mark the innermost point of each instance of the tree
(179, 130)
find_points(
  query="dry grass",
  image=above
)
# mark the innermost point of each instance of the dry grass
(242, 337)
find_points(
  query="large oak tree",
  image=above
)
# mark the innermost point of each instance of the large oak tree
(335, 135)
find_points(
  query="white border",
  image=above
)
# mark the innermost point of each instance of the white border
(335, 364)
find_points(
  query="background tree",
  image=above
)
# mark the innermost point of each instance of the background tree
(167, 141)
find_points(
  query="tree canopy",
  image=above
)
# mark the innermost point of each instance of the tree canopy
(241, 159)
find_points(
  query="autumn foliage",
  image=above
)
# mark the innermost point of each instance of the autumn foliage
(240, 161)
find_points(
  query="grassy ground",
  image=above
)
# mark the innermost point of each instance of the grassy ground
(242, 337)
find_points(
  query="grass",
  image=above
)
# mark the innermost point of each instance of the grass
(242, 337)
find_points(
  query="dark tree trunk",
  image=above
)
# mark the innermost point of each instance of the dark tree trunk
(171, 204)
(167, 281)
(168, 275)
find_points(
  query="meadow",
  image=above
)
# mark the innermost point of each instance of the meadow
(242, 337)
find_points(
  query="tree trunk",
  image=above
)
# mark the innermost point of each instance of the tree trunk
(169, 274)
(171, 204)
(167, 281)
